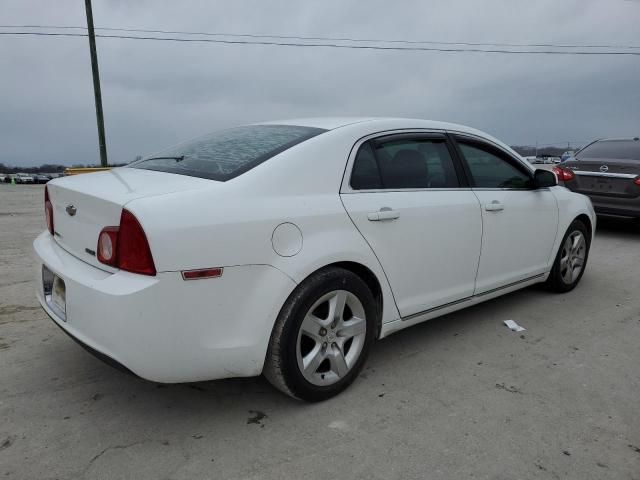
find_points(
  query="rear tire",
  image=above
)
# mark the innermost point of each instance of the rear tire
(571, 259)
(322, 336)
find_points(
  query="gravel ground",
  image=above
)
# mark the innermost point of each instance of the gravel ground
(457, 397)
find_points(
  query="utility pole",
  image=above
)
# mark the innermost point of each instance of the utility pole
(96, 83)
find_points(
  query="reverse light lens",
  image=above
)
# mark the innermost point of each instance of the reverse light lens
(107, 246)
(564, 174)
(48, 211)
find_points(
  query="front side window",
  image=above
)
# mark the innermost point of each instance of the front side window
(404, 163)
(228, 153)
(488, 169)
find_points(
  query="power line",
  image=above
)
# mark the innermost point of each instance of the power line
(331, 45)
(330, 39)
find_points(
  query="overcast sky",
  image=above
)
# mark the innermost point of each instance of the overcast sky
(158, 93)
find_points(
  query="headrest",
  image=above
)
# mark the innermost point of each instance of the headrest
(407, 169)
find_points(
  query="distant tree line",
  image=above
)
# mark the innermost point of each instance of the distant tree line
(44, 168)
(529, 151)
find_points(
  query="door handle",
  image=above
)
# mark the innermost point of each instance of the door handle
(385, 213)
(494, 206)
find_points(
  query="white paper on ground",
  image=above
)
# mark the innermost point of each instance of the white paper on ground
(514, 326)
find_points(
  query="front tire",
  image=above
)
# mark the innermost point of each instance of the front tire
(571, 259)
(322, 336)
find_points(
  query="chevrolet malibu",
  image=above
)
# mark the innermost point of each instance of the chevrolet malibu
(288, 248)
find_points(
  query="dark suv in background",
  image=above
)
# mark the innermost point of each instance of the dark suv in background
(608, 171)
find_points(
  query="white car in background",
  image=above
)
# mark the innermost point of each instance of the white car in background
(24, 178)
(288, 248)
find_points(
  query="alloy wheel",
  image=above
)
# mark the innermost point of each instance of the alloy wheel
(331, 337)
(572, 258)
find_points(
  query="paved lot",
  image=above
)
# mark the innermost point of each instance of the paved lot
(458, 397)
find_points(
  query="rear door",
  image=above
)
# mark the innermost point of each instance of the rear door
(519, 223)
(406, 195)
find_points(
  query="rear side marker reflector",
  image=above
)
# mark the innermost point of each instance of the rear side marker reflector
(202, 273)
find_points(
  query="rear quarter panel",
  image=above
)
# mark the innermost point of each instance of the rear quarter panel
(233, 223)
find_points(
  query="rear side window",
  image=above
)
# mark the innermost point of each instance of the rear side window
(489, 169)
(404, 163)
(618, 149)
(228, 153)
(365, 174)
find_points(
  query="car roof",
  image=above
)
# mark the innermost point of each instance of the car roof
(370, 125)
(331, 123)
(326, 123)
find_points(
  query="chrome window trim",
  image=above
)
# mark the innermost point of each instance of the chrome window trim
(408, 190)
(585, 173)
(491, 189)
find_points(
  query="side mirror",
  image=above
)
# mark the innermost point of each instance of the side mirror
(544, 178)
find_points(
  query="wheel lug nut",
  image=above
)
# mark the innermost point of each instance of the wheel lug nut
(323, 331)
(324, 345)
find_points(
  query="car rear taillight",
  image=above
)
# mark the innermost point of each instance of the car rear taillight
(134, 254)
(637, 181)
(48, 211)
(126, 246)
(564, 174)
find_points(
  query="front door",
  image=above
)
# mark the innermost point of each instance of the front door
(519, 223)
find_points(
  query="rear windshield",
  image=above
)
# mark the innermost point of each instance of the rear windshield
(619, 149)
(225, 154)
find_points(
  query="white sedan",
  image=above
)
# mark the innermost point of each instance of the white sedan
(288, 248)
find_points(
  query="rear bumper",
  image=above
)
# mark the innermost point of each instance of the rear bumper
(610, 205)
(99, 355)
(165, 329)
(627, 207)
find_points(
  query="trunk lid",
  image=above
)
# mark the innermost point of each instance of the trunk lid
(602, 176)
(84, 204)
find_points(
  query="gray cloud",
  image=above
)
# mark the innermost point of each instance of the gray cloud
(158, 93)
